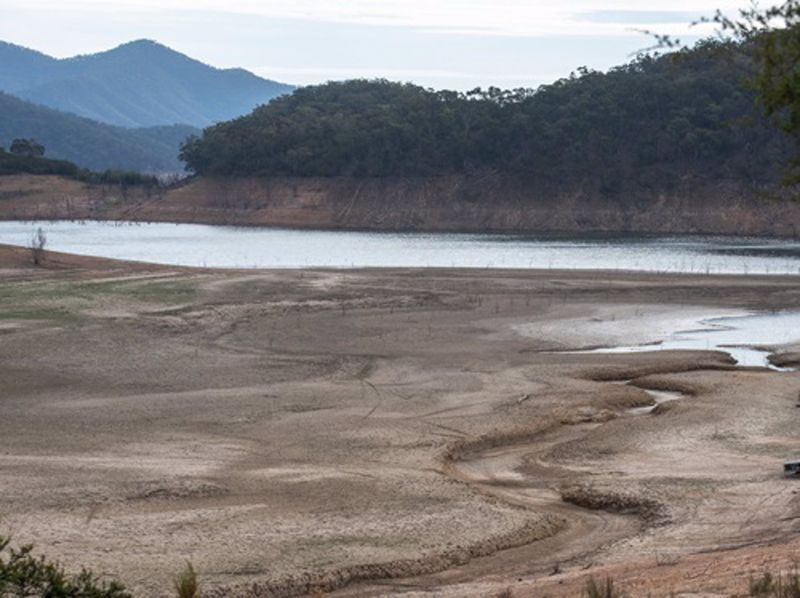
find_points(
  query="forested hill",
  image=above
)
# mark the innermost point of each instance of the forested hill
(138, 84)
(90, 144)
(647, 125)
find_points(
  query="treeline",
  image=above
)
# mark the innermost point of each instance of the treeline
(647, 124)
(93, 145)
(12, 163)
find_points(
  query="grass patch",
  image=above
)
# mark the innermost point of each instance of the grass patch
(63, 302)
(186, 584)
(50, 314)
(146, 291)
(158, 290)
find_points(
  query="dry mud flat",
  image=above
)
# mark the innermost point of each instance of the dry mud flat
(388, 431)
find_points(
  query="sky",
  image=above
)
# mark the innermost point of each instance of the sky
(444, 44)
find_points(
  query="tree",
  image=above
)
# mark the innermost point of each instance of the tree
(770, 40)
(27, 147)
(652, 125)
(38, 243)
(773, 34)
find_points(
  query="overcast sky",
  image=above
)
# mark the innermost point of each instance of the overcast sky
(457, 44)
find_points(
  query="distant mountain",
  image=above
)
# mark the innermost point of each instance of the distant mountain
(91, 144)
(138, 84)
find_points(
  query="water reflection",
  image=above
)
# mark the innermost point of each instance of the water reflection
(240, 247)
(748, 339)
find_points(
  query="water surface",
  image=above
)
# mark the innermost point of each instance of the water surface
(745, 338)
(243, 247)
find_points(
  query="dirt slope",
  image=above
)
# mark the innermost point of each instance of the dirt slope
(453, 203)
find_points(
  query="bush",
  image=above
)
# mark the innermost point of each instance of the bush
(125, 178)
(776, 586)
(22, 574)
(19, 164)
(605, 589)
(16, 164)
(186, 584)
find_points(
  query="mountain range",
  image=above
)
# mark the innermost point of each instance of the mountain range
(138, 84)
(127, 108)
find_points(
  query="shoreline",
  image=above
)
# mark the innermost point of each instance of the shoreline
(437, 204)
(555, 234)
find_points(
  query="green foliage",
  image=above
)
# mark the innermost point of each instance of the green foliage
(772, 37)
(776, 586)
(22, 574)
(91, 144)
(186, 584)
(27, 147)
(11, 163)
(648, 125)
(123, 178)
(15, 164)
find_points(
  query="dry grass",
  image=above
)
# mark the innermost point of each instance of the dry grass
(186, 584)
(604, 589)
(782, 585)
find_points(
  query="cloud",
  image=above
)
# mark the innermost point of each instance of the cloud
(440, 43)
(640, 17)
(462, 17)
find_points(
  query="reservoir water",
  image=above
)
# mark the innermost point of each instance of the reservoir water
(242, 247)
(748, 339)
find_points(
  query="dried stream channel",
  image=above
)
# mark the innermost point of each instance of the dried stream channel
(520, 473)
(659, 397)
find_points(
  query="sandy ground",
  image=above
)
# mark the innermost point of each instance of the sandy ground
(384, 432)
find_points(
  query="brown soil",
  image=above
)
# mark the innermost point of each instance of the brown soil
(458, 203)
(387, 431)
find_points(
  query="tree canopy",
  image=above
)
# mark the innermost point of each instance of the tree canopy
(647, 124)
(23, 162)
(27, 147)
(772, 37)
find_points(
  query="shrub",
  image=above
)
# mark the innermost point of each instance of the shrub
(776, 586)
(37, 245)
(22, 574)
(186, 584)
(605, 589)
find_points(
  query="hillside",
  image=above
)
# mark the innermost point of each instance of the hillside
(138, 84)
(640, 128)
(448, 203)
(90, 144)
(11, 164)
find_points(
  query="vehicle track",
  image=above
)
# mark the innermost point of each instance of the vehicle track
(495, 472)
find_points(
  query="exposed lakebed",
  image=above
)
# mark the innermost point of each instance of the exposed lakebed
(241, 247)
(746, 337)
(749, 339)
